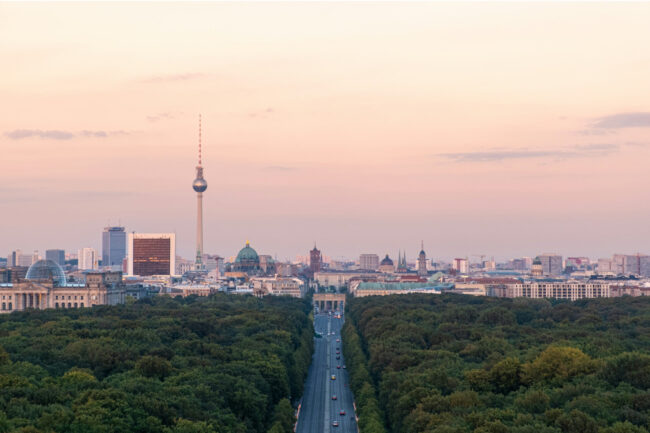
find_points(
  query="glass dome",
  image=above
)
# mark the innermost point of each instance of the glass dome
(46, 270)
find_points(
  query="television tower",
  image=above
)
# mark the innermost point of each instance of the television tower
(199, 185)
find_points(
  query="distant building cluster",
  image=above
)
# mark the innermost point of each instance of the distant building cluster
(134, 264)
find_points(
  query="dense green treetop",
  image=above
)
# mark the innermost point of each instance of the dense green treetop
(458, 364)
(217, 364)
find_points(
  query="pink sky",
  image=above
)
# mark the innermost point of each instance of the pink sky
(501, 129)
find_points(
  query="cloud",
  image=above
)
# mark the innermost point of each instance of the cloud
(19, 134)
(579, 151)
(100, 134)
(170, 78)
(598, 132)
(624, 120)
(161, 116)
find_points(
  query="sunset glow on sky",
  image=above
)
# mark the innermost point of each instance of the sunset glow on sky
(503, 129)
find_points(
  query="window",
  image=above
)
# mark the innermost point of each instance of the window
(69, 305)
(10, 306)
(82, 305)
(82, 298)
(75, 304)
(69, 297)
(4, 306)
(56, 297)
(56, 305)
(75, 297)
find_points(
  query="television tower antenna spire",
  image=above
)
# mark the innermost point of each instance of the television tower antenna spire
(199, 139)
(199, 185)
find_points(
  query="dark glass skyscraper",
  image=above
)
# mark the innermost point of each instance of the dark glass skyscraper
(113, 246)
(57, 256)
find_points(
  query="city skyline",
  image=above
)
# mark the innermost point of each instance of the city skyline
(484, 134)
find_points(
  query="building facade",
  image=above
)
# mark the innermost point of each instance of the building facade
(551, 264)
(386, 266)
(278, 286)
(57, 256)
(315, 260)
(369, 262)
(460, 265)
(87, 259)
(151, 254)
(571, 289)
(45, 287)
(422, 262)
(113, 247)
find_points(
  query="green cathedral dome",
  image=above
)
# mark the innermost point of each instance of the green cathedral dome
(247, 255)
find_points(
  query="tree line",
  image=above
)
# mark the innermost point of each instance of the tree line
(456, 364)
(193, 365)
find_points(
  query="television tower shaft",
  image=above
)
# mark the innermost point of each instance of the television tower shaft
(199, 185)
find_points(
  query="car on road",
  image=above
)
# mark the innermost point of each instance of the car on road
(342, 413)
(335, 424)
(338, 366)
(344, 366)
(333, 397)
(338, 340)
(333, 377)
(338, 356)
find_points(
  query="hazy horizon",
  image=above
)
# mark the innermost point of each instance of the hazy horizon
(503, 129)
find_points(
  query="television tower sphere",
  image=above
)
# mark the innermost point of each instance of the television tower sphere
(199, 184)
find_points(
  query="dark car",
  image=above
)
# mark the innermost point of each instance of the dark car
(342, 412)
(338, 366)
(333, 397)
(338, 357)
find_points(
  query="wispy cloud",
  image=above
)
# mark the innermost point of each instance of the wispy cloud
(168, 78)
(54, 134)
(578, 151)
(596, 132)
(161, 116)
(100, 134)
(624, 120)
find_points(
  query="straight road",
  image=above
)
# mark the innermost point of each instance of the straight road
(319, 411)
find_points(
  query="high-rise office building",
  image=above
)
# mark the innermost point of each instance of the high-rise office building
(369, 262)
(551, 264)
(151, 254)
(637, 264)
(12, 259)
(87, 259)
(57, 256)
(199, 185)
(113, 247)
(19, 259)
(460, 265)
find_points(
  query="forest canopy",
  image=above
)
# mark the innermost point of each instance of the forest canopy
(217, 364)
(456, 364)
